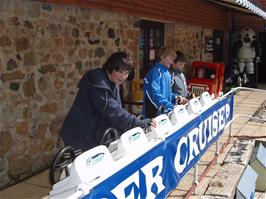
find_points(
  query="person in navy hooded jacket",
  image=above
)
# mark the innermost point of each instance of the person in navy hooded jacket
(97, 105)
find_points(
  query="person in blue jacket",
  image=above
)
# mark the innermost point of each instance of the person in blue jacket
(97, 105)
(158, 85)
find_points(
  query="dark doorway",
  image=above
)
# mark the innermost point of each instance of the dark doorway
(218, 37)
(152, 38)
(261, 66)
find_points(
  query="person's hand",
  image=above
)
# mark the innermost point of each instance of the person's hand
(181, 100)
(149, 122)
(191, 96)
(184, 101)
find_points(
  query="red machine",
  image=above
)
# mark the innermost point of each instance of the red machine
(206, 76)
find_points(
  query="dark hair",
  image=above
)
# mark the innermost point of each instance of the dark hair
(180, 57)
(119, 61)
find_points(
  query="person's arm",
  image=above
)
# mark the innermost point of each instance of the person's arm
(174, 98)
(175, 86)
(177, 97)
(113, 112)
(156, 96)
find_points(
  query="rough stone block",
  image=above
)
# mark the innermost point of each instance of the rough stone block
(225, 182)
(240, 152)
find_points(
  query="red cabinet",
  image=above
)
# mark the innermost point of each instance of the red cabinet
(206, 76)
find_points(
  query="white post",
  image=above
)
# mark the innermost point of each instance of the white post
(196, 182)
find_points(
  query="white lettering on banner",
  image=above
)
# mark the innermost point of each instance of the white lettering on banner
(202, 139)
(178, 165)
(208, 126)
(221, 118)
(131, 183)
(227, 111)
(130, 187)
(192, 138)
(213, 124)
(154, 179)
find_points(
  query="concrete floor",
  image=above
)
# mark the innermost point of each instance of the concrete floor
(245, 103)
(33, 188)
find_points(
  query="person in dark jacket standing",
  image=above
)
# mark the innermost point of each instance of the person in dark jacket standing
(179, 86)
(97, 105)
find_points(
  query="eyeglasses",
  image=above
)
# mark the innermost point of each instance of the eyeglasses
(123, 72)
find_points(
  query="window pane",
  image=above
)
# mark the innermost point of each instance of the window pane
(152, 54)
(142, 39)
(152, 38)
(158, 41)
(141, 59)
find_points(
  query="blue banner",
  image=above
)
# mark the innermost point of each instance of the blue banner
(157, 172)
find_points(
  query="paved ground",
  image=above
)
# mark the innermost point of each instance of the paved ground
(246, 102)
(223, 177)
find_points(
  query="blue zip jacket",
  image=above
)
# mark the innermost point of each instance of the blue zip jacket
(97, 107)
(158, 89)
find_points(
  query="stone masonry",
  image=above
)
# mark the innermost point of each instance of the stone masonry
(190, 40)
(44, 51)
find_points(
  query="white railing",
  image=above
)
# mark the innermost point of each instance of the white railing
(169, 135)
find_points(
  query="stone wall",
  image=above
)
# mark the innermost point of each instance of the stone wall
(44, 51)
(190, 40)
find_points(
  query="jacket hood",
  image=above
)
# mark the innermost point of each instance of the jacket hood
(175, 70)
(95, 78)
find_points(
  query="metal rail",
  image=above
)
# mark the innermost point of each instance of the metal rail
(218, 151)
(84, 189)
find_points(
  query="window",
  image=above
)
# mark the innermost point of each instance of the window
(152, 38)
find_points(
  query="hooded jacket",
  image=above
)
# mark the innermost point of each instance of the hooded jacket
(157, 90)
(179, 83)
(96, 108)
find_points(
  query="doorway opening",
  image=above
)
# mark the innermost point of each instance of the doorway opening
(152, 38)
(218, 37)
(261, 65)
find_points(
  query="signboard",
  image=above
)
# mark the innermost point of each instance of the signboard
(157, 172)
(208, 45)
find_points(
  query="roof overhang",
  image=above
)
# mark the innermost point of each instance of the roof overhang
(245, 6)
